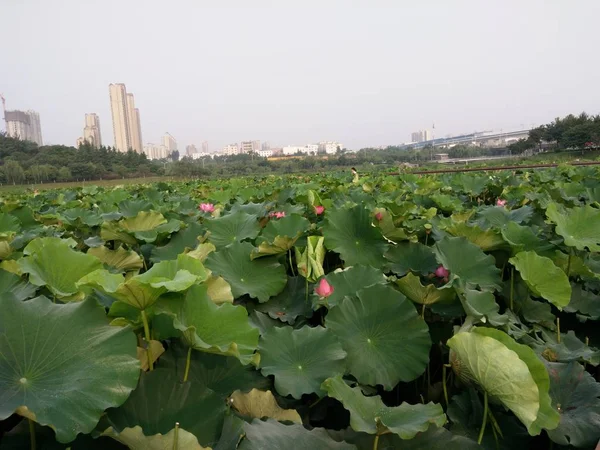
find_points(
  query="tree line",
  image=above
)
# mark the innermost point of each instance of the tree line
(569, 132)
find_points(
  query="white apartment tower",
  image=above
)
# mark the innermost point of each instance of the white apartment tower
(170, 143)
(24, 125)
(126, 119)
(91, 132)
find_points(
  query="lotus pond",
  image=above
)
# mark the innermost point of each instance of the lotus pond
(304, 312)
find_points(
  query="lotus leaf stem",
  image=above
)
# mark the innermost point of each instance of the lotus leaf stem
(291, 264)
(426, 236)
(148, 341)
(187, 364)
(32, 433)
(512, 287)
(176, 435)
(569, 264)
(423, 312)
(485, 414)
(558, 330)
(444, 387)
(376, 442)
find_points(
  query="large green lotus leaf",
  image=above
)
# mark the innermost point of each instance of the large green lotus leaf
(371, 415)
(132, 207)
(131, 291)
(486, 240)
(522, 238)
(494, 216)
(467, 263)
(54, 264)
(15, 285)
(180, 241)
(290, 303)
(9, 225)
(482, 306)
(411, 286)
(411, 257)
(350, 233)
(232, 433)
(291, 226)
(543, 277)
(300, 359)
(387, 227)
(575, 394)
(135, 439)
(143, 221)
(570, 348)
(279, 246)
(199, 405)
(579, 226)
(582, 301)
(171, 226)
(509, 372)
(112, 231)
(384, 337)
(119, 259)
(260, 404)
(63, 365)
(78, 216)
(349, 281)
(232, 228)
(204, 326)
(175, 276)
(260, 278)
(435, 438)
(273, 435)
(577, 266)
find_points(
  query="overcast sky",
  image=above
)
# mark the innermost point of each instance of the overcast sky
(365, 73)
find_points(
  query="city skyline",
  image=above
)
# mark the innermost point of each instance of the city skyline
(413, 64)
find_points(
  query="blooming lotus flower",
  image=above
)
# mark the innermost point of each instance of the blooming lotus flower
(441, 272)
(319, 210)
(207, 207)
(379, 216)
(277, 214)
(324, 289)
(500, 202)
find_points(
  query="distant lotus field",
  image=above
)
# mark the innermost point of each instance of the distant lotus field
(312, 312)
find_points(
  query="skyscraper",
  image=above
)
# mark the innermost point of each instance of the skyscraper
(91, 132)
(135, 132)
(126, 119)
(170, 143)
(24, 125)
(205, 147)
(190, 150)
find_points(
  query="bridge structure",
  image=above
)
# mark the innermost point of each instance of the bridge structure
(482, 139)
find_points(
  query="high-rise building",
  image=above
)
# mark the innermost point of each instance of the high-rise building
(170, 143)
(266, 146)
(245, 147)
(154, 151)
(231, 149)
(190, 150)
(134, 124)
(205, 147)
(91, 131)
(329, 147)
(24, 125)
(255, 146)
(420, 136)
(126, 119)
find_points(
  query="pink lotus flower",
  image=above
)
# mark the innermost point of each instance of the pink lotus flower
(379, 216)
(441, 272)
(500, 202)
(319, 210)
(207, 207)
(277, 214)
(324, 289)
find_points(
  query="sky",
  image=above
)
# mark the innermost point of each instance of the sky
(364, 73)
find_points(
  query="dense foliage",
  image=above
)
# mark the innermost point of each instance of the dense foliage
(410, 312)
(581, 131)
